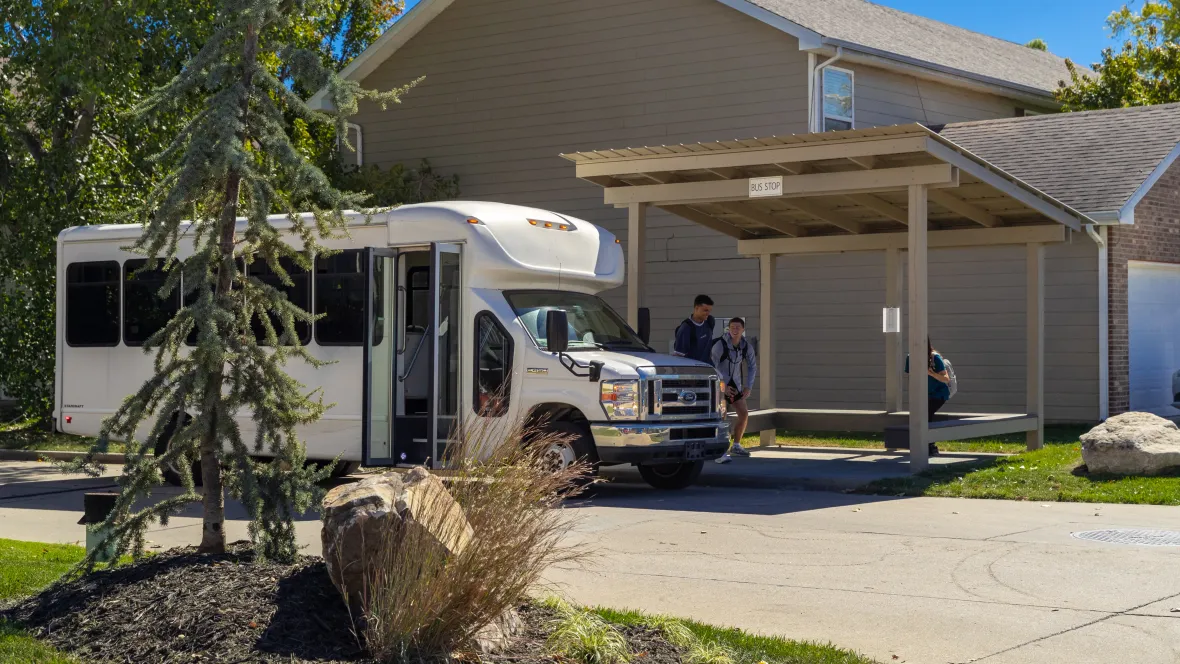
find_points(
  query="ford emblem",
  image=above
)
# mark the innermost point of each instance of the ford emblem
(688, 396)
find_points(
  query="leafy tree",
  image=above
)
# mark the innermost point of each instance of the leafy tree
(73, 153)
(234, 159)
(69, 154)
(1145, 71)
(1038, 44)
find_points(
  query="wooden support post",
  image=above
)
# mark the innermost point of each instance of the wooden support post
(767, 264)
(636, 260)
(1035, 401)
(918, 333)
(894, 350)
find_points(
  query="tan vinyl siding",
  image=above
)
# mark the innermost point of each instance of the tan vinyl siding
(888, 98)
(831, 350)
(511, 84)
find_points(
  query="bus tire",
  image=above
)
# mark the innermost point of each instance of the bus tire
(577, 447)
(673, 476)
(171, 476)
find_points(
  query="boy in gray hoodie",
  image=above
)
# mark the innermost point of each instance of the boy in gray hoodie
(734, 358)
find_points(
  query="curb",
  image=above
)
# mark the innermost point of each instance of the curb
(55, 455)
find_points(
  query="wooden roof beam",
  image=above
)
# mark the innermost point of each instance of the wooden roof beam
(606, 181)
(962, 207)
(812, 184)
(881, 206)
(662, 178)
(795, 167)
(726, 173)
(867, 162)
(826, 215)
(708, 221)
(763, 218)
(802, 152)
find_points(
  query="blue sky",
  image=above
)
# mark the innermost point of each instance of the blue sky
(1073, 28)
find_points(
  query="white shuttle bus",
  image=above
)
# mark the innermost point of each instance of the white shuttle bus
(433, 313)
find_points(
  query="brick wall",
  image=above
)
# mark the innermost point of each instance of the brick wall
(1155, 237)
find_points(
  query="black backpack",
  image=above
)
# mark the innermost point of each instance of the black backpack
(710, 322)
(743, 351)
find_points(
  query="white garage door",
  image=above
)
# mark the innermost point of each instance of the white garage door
(1153, 294)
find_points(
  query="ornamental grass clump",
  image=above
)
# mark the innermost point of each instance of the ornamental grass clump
(423, 601)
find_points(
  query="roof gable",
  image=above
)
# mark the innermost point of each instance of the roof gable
(862, 25)
(856, 25)
(1099, 162)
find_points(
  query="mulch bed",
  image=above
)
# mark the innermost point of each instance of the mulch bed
(181, 606)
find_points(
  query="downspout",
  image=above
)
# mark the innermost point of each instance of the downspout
(359, 145)
(817, 91)
(1099, 235)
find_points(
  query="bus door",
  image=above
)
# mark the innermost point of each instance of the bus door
(411, 385)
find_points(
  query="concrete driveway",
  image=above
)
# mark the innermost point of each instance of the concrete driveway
(928, 580)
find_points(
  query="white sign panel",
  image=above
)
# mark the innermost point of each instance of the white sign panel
(891, 320)
(772, 186)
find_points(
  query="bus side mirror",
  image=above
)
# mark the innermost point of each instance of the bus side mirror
(557, 331)
(644, 330)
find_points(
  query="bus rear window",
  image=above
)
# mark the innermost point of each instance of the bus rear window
(92, 303)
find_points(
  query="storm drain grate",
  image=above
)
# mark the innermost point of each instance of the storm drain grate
(1132, 536)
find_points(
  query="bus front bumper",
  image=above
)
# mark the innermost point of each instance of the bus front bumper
(657, 443)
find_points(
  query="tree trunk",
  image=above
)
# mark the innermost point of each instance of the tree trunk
(213, 530)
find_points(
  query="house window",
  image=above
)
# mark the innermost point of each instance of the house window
(493, 366)
(92, 304)
(837, 99)
(144, 312)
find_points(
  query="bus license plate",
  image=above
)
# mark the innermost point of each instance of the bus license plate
(694, 450)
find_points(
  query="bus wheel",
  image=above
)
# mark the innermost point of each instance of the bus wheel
(577, 445)
(171, 473)
(672, 476)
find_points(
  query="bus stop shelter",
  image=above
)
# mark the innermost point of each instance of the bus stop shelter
(901, 190)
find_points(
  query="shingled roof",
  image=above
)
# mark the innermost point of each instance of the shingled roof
(870, 27)
(1095, 161)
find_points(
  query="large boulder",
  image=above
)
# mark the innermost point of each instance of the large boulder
(1132, 444)
(361, 519)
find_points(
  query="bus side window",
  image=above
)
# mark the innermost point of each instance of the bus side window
(144, 313)
(493, 366)
(92, 303)
(340, 295)
(299, 294)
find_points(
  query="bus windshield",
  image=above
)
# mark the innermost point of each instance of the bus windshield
(592, 323)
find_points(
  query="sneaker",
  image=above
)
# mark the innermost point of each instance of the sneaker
(739, 451)
(724, 458)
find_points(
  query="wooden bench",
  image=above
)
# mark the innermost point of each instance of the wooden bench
(898, 437)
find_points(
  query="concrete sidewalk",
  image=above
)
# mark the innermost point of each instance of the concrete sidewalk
(930, 580)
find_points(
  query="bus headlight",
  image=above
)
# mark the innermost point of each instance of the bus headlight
(620, 399)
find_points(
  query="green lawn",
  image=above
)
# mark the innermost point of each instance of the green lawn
(30, 435)
(1010, 444)
(723, 645)
(25, 568)
(1049, 474)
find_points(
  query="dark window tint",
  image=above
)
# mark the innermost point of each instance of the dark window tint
(418, 298)
(340, 296)
(144, 312)
(299, 293)
(493, 366)
(92, 304)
